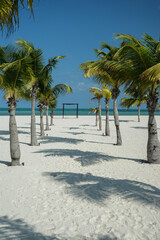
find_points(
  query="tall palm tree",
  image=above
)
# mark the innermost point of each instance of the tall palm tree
(142, 63)
(36, 67)
(106, 94)
(97, 96)
(9, 13)
(52, 106)
(39, 73)
(95, 110)
(102, 71)
(13, 85)
(48, 94)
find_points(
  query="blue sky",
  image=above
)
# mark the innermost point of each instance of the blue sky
(74, 28)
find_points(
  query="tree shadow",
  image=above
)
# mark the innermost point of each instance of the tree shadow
(2, 132)
(98, 189)
(25, 127)
(74, 128)
(85, 158)
(140, 127)
(5, 163)
(76, 133)
(11, 229)
(18, 230)
(112, 120)
(49, 139)
(4, 138)
(87, 125)
(7, 132)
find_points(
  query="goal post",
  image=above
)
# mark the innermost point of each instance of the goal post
(76, 104)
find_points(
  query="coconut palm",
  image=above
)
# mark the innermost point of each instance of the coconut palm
(142, 62)
(39, 73)
(132, 101)
(95, 110)
(41, 96)
(48, 94)
(106, 94)
(97, 96)
(12, 83)
(9, 13)
(52, 106)
(103, 72)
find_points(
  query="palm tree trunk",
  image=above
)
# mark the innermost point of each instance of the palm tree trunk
(153, 146)
(96, 118)
(107, 129)
(115, 93)
(52, 117)
(100, 117)
(14, 142)
(41, 120)
(47, 124)
(139, 106)
(33, 118)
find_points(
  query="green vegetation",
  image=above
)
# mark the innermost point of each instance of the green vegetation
(23, 75)
(136, 66)
(9, 13)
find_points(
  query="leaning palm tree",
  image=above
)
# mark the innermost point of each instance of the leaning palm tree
(142, 62)
(13, 85)
(39, 73)
(102, 71)
(97, 96)
(95, 110)
(132, 101)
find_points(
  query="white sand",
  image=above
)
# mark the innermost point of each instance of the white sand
(78, 185)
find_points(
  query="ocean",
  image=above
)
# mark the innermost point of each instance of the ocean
(72, 112)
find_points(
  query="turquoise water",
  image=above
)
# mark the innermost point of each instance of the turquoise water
(81, 112)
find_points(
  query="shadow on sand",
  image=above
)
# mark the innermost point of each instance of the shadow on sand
(49, 139)
(5, 163)
(7, 132)
(98, 189)
(85, 158)
(18, 229)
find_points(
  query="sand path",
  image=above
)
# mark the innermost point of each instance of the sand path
(78, 185)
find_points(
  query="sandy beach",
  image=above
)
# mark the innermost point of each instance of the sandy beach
(77, 185)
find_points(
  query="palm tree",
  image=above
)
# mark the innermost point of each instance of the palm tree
(56, 91)
(36, 67)
(41, 97)
(38, 73)
(132, 101)
(142, 63)
(41, 106)
(48, 94)
(95, 110)
(13, 85)
(52, 106)
(9, 13)
(97, 96)
(106, 93)
(103, 72)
